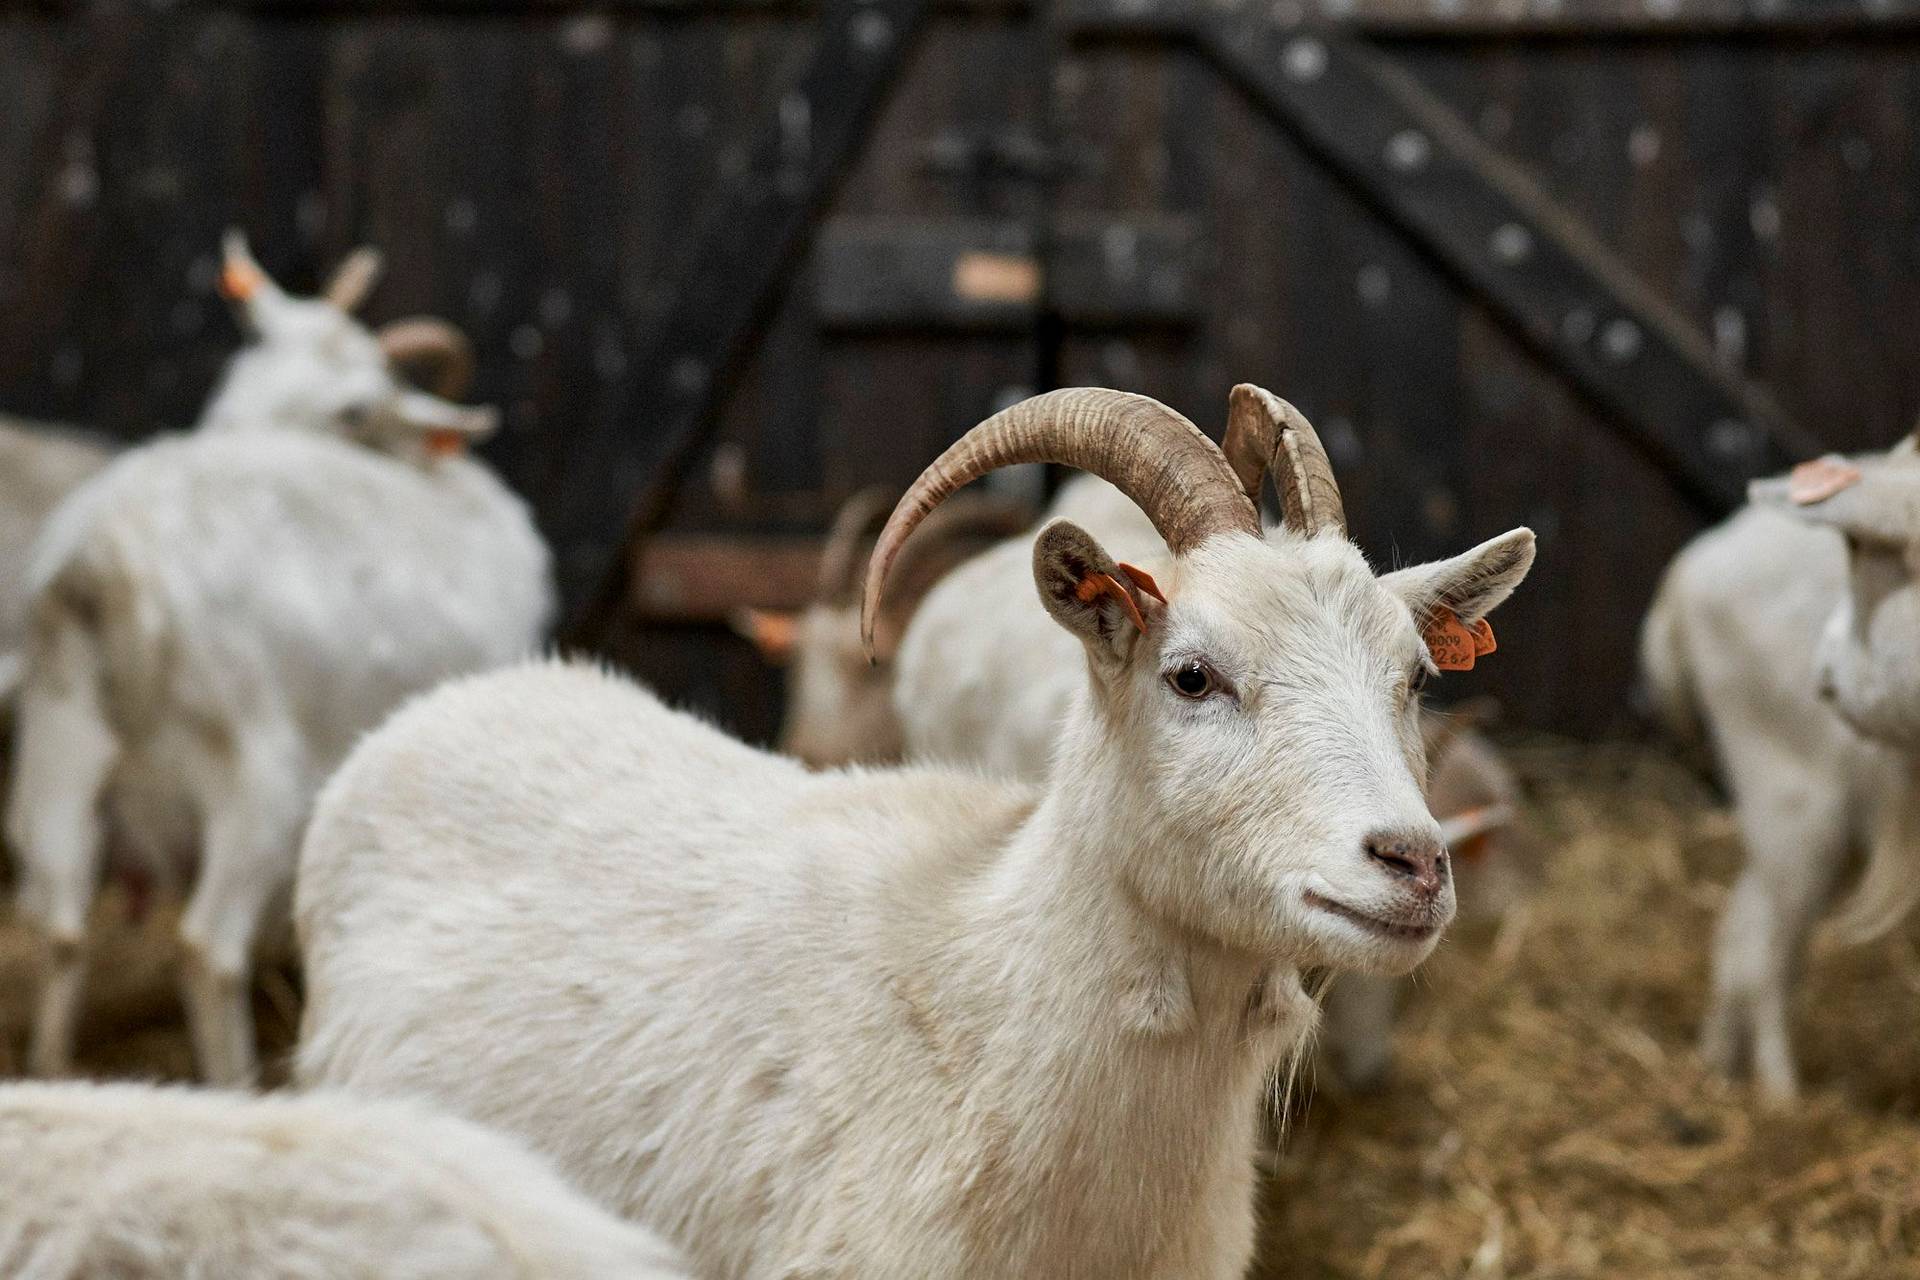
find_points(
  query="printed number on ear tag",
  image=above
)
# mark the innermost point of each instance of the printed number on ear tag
(1454, 645)
(1816, 481)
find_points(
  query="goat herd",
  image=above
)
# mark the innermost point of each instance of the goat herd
(1009, 1009)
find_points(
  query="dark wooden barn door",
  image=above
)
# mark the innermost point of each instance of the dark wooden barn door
(1586, 266)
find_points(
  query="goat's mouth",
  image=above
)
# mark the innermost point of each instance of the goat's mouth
(1400, 930)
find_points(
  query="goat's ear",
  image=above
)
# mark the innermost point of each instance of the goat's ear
(242, 280)
(1103, 602)
(442, 428)
(1451, 599)
(774, 632)
(1877, 503)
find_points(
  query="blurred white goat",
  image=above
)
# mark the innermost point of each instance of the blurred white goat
(141, 1183)
(1790, 637)
(216, 617)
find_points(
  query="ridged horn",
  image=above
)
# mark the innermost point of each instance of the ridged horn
(432, 351)
(1265, 433)
(354, 279)
(1155, 456)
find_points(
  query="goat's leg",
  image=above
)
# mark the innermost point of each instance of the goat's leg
(251, 828)
(1796, 843)
(64, 754)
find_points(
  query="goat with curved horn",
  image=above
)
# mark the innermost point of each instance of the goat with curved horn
(1265, 433)
(432, 350)
(1154, 455)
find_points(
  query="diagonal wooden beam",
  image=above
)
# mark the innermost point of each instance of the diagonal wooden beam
(1489, 224)
(749, 236)
(1570, 298)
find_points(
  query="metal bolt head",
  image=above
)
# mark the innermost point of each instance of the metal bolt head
(1621, 340)
(1305, 59)
(1408, 150)
(1511, 243)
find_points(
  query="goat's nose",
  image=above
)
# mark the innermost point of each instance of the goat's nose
(1419, 859)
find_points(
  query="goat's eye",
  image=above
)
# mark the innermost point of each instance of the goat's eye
(1418, 680)
(1193, 680)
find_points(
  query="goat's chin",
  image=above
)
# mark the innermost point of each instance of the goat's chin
(1366, 939)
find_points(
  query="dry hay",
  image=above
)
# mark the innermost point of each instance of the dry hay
(133, 1027)
(1548, 1117)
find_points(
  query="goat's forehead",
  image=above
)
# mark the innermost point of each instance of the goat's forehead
(1244, 591)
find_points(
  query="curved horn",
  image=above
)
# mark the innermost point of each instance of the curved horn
(433, 350)
(1266, 433)
(852, 526)
(354, 279)
(1150, 453)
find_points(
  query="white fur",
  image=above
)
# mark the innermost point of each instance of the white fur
(216, 618)
(1753, 621)
(898, 1022)
(145, 1183)
(39, 465)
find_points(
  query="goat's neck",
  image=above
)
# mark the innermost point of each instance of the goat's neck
(1080, 981)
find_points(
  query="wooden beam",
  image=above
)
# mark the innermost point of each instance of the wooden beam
(987, 274)
(1490, 19)
(752, 232)
(703, 578)
(1484, 219)
(1421, 18)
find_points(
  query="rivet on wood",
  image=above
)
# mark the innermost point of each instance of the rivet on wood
(1305, 59)
(1408, 150)
(1620, 340)
(1511, 243)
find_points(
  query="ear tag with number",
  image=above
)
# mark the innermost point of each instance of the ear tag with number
(1455, 646)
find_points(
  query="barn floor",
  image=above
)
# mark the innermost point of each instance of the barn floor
(1546, 1118)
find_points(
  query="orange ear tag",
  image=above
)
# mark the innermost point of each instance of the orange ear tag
(1816, 481)
(1095, 585)
(1455, 645)
(446, 443)
(1473, 848)
(238, 281)
(1143, 580)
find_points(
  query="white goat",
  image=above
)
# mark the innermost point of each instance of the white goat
(985, 678)
(840, 695)
(916, 1022)
(1793, 648)
(144, 1183)
(218, 616)
(40, 464)
(303, 369)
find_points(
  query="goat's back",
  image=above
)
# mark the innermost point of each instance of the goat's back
(231, 575)
(144, 1183)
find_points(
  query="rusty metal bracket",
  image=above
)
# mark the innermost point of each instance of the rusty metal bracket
(1485, 221)
(751, 233)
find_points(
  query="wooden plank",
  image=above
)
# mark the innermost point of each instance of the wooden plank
(1478, 19)
(703, 578)
(750, 234)
(1565, 293)
(1463, 18)
(988, 275)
